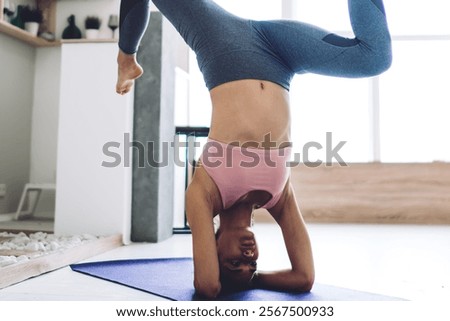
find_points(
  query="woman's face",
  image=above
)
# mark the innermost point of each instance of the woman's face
(238, 253)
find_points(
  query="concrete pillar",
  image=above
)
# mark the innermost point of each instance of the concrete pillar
(289, 9)
(152, 200)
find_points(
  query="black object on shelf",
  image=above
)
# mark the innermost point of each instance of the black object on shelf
(71, 31)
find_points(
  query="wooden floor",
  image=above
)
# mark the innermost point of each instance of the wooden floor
(374, 193)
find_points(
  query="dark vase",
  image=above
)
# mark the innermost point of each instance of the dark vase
(71, 31)
(17, 20)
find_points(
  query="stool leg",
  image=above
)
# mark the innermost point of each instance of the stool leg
(35, 202)
(22, 201)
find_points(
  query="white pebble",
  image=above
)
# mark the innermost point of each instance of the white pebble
(32, 246)
(41, 246)
(39, 243)
(88, 237)
(38, 236)
(7, 260)
(5, 246)
(22, 258)
(54, 246)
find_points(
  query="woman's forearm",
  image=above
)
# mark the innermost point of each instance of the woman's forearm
(206, 265)
(285, 280)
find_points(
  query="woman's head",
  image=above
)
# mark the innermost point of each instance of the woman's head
(237, 253)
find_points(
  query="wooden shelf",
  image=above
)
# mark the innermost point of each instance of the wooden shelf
(25, 36)
(49, 9)
(84, 40)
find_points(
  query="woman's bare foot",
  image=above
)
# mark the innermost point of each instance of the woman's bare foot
(129, 70)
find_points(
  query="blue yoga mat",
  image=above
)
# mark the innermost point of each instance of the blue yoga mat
(173, 279)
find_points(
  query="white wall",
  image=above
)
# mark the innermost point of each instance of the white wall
(91, 198)
(82, 9)
(45, 115)
(17, 61)
(44, 127)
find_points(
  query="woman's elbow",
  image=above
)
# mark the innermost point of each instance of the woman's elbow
(308, 284)
(304, 283)
(208, 291)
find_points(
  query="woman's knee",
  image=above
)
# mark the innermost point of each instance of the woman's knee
(382, 61)
(376, 61)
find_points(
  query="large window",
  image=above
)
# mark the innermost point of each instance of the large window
(401, 116)
(415, 103)
(414, 99)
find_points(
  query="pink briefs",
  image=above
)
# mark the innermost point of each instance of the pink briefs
(239, 170)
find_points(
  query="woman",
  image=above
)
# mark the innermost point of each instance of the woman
(248, 66)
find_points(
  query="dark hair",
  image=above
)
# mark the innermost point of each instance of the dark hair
(229, 285)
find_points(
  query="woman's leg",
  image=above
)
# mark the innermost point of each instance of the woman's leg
(284, 47)
(205, 26)
(134, 18)
(306, 48)
(221, 41)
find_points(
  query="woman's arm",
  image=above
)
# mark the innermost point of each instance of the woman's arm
(199, 211)
(301, 275)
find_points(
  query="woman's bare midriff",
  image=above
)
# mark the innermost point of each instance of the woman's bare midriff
(251, 111)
